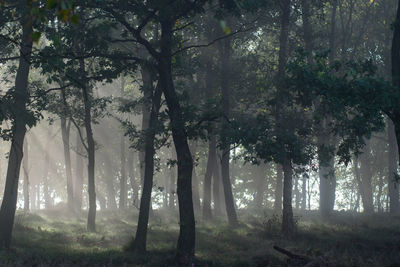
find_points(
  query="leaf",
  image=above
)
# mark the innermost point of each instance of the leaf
(75, 19)
(36, 37)
(51, 4)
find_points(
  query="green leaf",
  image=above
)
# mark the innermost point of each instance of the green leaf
(75, 19)
(51, 4)
(36, 37)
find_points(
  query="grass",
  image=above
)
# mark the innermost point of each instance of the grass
(54, 238)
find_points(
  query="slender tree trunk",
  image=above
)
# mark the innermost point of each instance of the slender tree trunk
(195, 183)
(91, 222)
(303, 193)
(123, 189)
(65, 133)
(297, 192)
(208, 178)
(79, 169)
(218, 192)
(186, 240)
(366, 180)
(287, 214)
(132, 178)
(46, 194)
(225, 51)
(109, 181)
(260, 185)
(393, 184)
(27, 184)
(8, 205)
(278, 188)
(139, 244)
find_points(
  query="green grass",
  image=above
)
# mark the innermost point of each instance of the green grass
(52, 238)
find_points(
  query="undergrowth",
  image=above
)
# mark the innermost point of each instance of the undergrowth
(54, 238)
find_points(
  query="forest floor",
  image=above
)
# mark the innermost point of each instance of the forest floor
(56, 238)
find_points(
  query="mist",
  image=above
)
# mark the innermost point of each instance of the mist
(200, 133)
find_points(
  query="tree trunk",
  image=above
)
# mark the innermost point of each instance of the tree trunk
(79, 168)
(27, 186)
(8, 206)
(132, 179)
(366, 180)
(65, 133)
(307, 28)
(393, 184)
(123, 189)
(139, 244)
(260, 184)
(207, 215)
(287, 214)
(225, 52)
(186, 240)
(278, 188)
(46, 194)
(218, 192)
(109, 181)
(195, 183)
(91, 222)
(304, 193)
(297, 192)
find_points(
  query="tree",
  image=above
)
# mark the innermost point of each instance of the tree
(20, 118)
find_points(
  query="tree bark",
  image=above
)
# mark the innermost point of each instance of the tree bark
(132, 178)
(91, 222)
(109, 181)
(186, 240)
(46, 194)
(207, 215)
(27, 185)
(366, 180)
(393, 184)
(287, 214)
(195, 183)
(278, 188)
(139, 244)
(8, 206)
(79, 169)
(260, 185)
(65, 133)
(225, 52)
(123, 189)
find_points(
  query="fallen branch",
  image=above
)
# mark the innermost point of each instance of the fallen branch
(304, 259)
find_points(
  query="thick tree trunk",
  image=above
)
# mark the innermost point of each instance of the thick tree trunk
(186, 240)
(225, 51)
(139, 244)
(393, 184)
(208, 178)
(65, 133)
(27, 185)
(91, 222)
(278, 188)
(8, 206)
